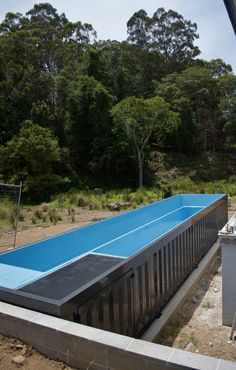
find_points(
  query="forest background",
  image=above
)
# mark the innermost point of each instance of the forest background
(78, 112)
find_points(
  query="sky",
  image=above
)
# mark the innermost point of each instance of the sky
(109, 18)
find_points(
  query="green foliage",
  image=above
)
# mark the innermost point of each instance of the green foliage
(136, 120)
(54, 216)
(89, 104)
(96, 108)
(207, 304)
(90, 199)
(168, 33)
(195, 95)
(7, 213)
(227, 85)
(186, 185)
(30, 158)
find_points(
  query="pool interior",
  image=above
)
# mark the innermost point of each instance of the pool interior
(118, 237)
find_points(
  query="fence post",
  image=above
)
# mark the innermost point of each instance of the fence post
(17, 214)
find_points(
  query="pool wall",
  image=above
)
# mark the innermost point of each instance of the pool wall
(129, 295)
(129, 298)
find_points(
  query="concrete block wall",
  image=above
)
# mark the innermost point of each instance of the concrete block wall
(85, 347)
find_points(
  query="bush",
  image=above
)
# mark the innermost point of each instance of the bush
(44, 207)
(38, 213)
(8, 212)
(82, 201)
(54, 216)
(167, 192)
(30, 157)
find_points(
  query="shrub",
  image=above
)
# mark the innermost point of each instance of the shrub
(167, 192)
(8, 212)
(33, 219)
(44, 207)
(31, 157)
(38, 213)
(54, 216)
(82, 201)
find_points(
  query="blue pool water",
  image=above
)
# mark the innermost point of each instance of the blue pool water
(122, 236)
(133, 242)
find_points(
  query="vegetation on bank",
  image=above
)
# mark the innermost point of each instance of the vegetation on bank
(66, 207)
(74, 107)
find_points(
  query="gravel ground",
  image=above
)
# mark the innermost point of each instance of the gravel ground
(197, 327)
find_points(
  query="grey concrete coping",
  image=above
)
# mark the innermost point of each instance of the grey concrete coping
(85, 347)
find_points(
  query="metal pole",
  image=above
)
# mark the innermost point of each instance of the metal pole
(17, 214)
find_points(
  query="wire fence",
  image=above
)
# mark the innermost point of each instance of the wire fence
(10, 197)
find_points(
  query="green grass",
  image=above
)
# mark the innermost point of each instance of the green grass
(120, 199)
(207, 304)
(7, 213)
(193, 340)
(186, 185)
(125, 199)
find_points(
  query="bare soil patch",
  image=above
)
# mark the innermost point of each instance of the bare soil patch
(197, 326)
(15, 355)
(29, 233)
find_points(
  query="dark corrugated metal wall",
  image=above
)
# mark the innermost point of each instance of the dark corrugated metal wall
(129, 303)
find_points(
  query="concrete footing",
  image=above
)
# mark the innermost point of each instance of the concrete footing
(85, 347)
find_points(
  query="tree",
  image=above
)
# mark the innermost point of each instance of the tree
(137, 119)
(30, 157)
(227, 106)
(88, 120)
(138, 29)
(34, 50)
(194, 94)
(218, 67)
(167, 33)
(173, 36)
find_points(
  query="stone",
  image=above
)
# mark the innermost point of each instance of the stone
(19, 360)
(190, 347)
(24, 350)
(19, 346)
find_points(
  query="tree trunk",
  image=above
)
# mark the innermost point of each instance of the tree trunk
(140, 169)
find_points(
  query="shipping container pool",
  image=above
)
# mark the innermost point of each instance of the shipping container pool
(116, 274)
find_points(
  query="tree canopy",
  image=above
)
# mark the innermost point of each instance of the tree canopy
(99, 104)
(137, 120)
(30, 157)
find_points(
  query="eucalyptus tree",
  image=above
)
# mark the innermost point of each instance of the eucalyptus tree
(166, 32)
(195, 94)
(136, 120)
(227, 106)
(35, 49)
